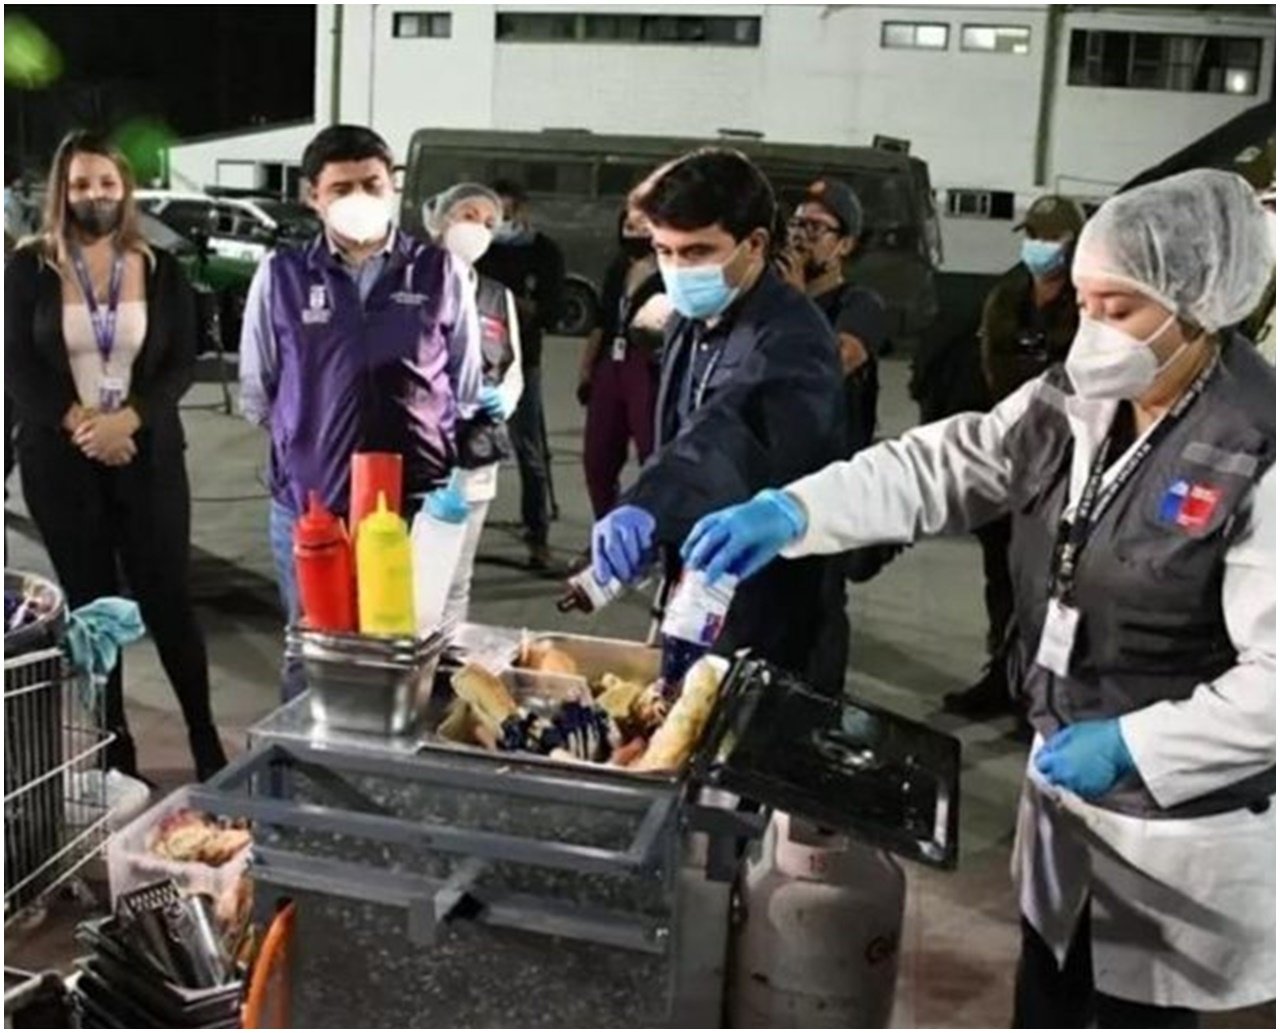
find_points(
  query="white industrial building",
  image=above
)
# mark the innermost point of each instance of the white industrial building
(998, 100)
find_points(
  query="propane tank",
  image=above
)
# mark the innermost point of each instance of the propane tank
(818, 941)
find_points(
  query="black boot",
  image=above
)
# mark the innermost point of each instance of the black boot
(206, 750)
(122, 754)
(987, 697)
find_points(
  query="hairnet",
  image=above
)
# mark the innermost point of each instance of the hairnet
(435, 210)
(1197, 243)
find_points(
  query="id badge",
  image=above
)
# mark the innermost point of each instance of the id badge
(619, 350)
(1058, 637)
(110, 393)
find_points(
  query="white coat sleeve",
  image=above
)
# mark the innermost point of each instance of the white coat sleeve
(1226, 730)
(946, 476)
(512, 386)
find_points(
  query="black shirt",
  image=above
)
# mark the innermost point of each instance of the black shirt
(860, 313)
(532, 272)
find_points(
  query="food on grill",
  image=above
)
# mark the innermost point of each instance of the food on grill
(191, 836)
(674, 741)
(628, 753)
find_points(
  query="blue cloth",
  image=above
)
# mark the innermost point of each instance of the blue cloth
(332, 371)
(97, 631)
(745, 538)
(622, 546)
(1088, 758)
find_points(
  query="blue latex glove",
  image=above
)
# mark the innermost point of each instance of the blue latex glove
(491, 402)
(1088, 758)
(742, 539)
(448, 504)
(622, 544)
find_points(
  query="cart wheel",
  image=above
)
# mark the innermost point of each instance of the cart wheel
(267, 1003)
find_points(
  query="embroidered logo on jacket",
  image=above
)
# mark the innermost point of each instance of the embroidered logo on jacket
(1189, 506)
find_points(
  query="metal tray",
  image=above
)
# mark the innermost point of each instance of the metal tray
(363, 683)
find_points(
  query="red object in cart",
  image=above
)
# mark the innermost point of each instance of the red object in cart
(374, 473)
(325, 567)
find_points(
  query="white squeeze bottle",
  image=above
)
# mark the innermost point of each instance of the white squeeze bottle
(436, 542)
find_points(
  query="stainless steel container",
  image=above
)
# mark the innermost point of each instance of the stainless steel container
(363, 683)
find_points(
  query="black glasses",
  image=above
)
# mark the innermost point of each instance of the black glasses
(811, 227)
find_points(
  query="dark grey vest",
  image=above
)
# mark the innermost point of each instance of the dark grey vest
(1149, 581)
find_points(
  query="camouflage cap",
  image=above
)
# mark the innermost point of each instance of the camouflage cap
(1052, 216)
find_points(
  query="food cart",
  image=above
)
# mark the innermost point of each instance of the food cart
(446, 885)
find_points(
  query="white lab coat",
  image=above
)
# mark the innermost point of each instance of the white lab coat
(1183, 910)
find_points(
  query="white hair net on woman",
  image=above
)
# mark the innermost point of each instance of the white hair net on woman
(1198, 243)
(435, 210)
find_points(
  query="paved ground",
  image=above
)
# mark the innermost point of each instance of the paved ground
(918, 632)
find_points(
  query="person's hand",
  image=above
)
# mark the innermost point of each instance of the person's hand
(122, 456)
(448, 504)
(622, 544)
(742, 539)
(791, 268)
(75, 416)
(491, 403)
(104, 434)
(584, 388)
(1088, 758)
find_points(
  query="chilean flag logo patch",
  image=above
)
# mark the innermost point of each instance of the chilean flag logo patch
(1189, 506)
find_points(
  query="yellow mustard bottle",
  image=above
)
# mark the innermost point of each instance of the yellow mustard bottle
(384, 573)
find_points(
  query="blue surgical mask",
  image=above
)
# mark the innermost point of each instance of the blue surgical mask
(513, 233)
(698, 291)
(1044, 257)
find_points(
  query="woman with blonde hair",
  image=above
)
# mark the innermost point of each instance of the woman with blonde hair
(100, 335)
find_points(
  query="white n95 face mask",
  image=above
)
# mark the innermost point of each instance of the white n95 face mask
(360, 217)
(468, 240)
(1106, 363)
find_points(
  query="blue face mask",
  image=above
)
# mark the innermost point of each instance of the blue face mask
(1043, 257)
(698, 291)
(513, 233)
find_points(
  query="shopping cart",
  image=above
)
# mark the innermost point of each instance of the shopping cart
(55, 739)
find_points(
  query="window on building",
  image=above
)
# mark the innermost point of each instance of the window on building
(713, 30)
(567, 177)
(980, 204)
(996, 39)
(914, 35)
(422, 25)
(1165, 61)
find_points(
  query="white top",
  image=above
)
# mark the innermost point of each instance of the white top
(82, 347)
(1151, 942)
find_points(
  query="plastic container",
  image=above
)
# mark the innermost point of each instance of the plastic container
(692, 624)
(374, 474)
(439, 530)
(384, 574)
(325, 569)
(131, 865)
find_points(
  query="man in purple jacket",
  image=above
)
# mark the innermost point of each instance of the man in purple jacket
(364, 340)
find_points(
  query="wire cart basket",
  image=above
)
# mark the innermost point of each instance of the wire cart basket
(55, 739)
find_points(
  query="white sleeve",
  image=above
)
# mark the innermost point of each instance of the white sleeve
(512, 386)
(1226, 730)
(946, 476)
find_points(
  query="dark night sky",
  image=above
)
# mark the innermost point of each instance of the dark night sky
(201, 68)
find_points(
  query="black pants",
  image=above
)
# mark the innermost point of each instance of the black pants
(528, 438)
(998, 589)
(96, 520)
(1047, 997)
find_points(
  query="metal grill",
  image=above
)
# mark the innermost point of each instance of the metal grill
(55, 789)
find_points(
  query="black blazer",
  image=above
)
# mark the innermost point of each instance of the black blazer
(37, 371)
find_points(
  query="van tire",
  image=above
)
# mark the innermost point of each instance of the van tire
(579, 311)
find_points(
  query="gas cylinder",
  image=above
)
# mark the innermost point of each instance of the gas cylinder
(817, 942)
(325, 569)
(384, 573)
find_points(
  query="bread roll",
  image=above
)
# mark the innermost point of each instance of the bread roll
(674, 742)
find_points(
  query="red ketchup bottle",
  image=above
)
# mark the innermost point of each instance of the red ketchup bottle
(325, 569)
